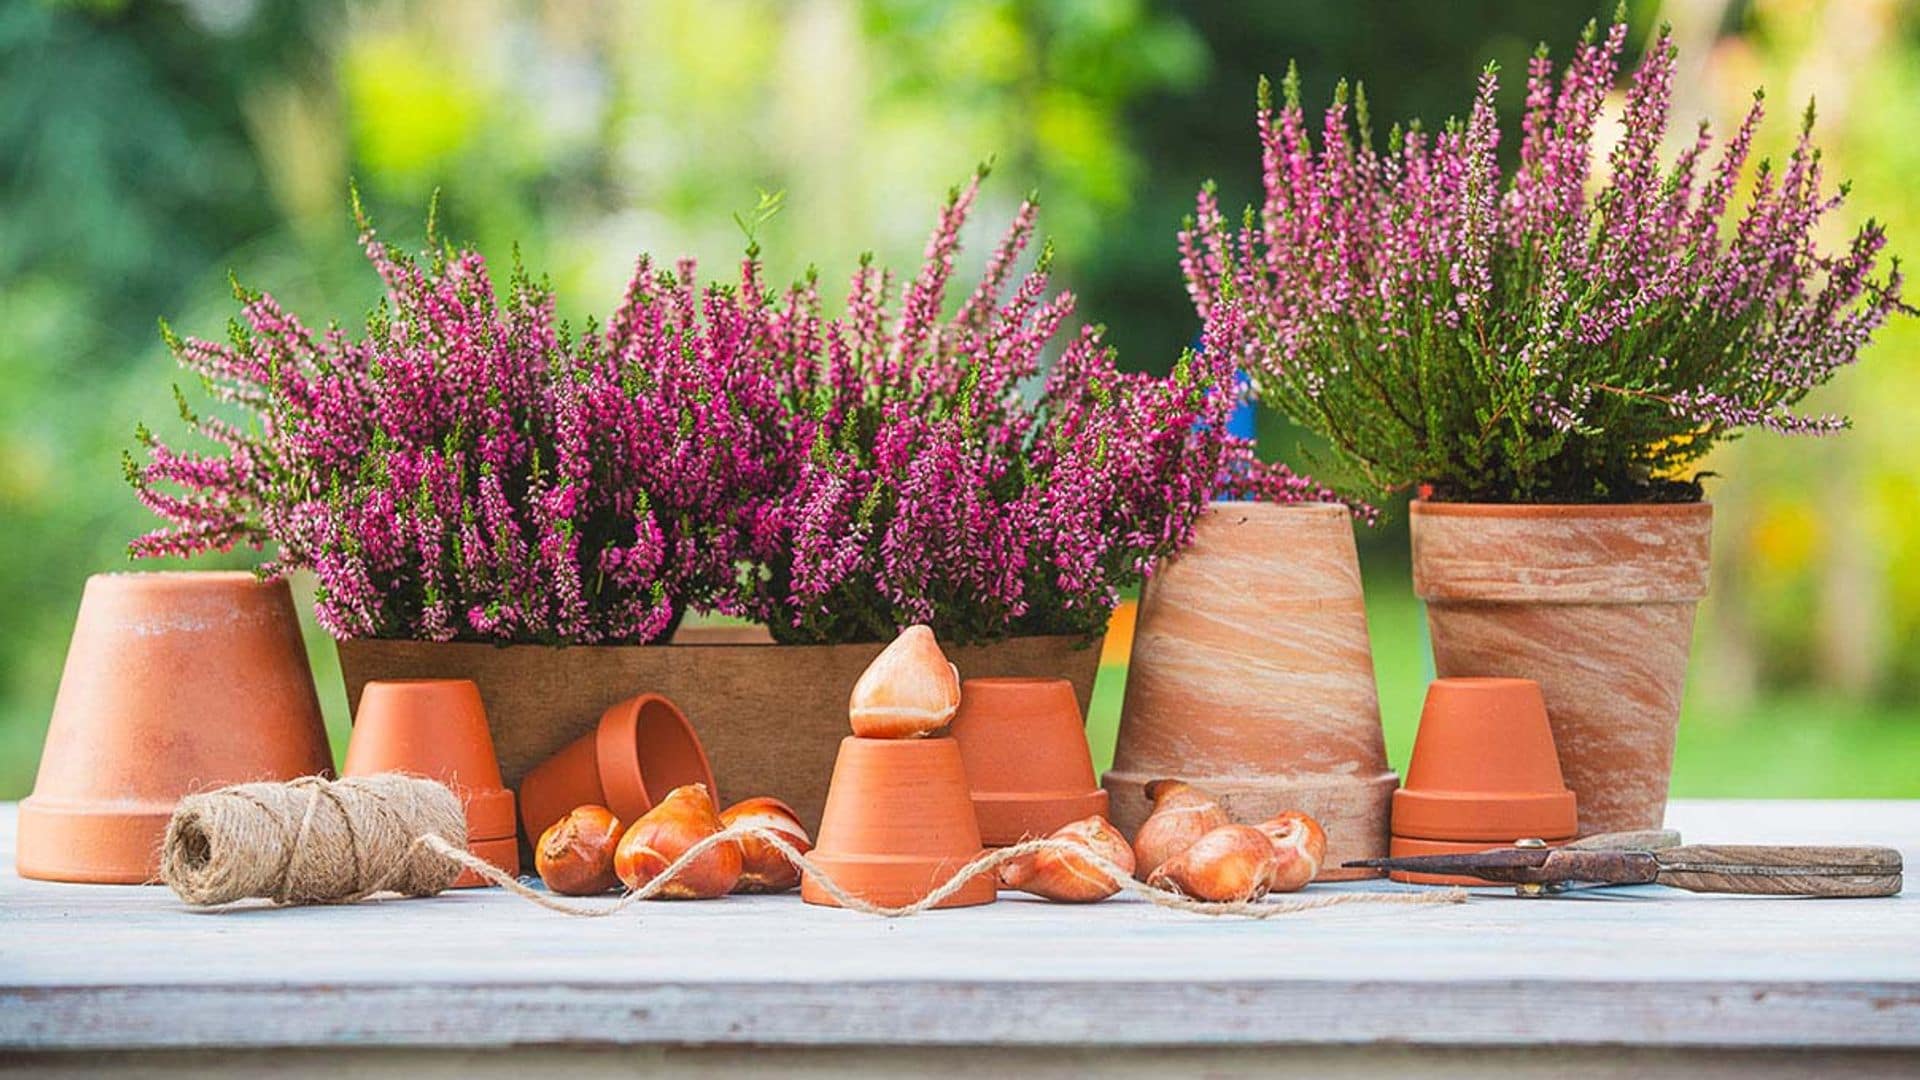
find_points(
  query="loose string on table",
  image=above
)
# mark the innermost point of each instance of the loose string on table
(988, 861)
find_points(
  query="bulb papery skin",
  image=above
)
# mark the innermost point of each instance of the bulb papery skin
(575, 855)
(1299, 847)
(1181, 815)
(763, 867)
(1066, 877)
(1231, 863)
(910, 690)
(666, 832)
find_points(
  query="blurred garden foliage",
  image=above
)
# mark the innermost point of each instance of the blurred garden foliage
(147, 148)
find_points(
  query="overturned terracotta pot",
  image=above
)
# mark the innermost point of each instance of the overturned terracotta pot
(641, 749)
(1252, 678)
(1596, 604)
(437, 728)
(1026, 754)
(1484, 767)
(899, 821)
(174, 683)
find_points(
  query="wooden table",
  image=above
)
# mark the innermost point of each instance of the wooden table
(1599, 983)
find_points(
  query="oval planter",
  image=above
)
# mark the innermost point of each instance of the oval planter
(174, 683)
(1252, 678)
(898, 822)
(770, 716)
(437, 728)
(1028, 764)
(1596, 604)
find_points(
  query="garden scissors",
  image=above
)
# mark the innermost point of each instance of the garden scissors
(1658, 858)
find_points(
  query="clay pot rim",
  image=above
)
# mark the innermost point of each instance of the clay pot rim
(1012, 681)
(1470, 817)
(204, 577)
(617, 750)
(1703, 508)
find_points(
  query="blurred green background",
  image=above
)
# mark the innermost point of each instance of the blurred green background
(148, 148)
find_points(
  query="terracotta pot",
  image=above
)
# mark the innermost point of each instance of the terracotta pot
(769, 716)
(898, 822)
(641, 749)
(1252, 678)
(1595, 603)
(1406, 846)
(174, 683)
(1025, 748)
(1483, 767)
(437, 728)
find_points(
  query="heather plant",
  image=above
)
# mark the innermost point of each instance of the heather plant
(466, 470)
(1553, 337)
(939, 478)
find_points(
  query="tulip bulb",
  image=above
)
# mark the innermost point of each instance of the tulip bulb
(1233, 862)
(908, 691)
(763, 867)
(1181, 814)
(575, 854)
(1299, 845)
(1066, 877)
(663, 834)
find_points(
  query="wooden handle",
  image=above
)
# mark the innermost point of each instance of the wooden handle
(1775, 870)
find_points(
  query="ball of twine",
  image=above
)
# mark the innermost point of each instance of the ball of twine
(313, 841)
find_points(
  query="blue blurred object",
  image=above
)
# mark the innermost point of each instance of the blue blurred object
(1241, 423)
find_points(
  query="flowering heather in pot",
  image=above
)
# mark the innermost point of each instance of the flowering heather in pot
(466, 471)
(933, 485)
(1546, 338)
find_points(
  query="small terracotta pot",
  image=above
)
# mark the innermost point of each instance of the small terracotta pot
(898, 822)
(1025, 749)
(1483, 767)
(437, 728)
(1252, 679)
(174, 683)
(642, 748)
(1596, 603)
(1405, 846)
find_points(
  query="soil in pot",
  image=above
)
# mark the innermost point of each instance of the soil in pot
(437, 728)
(1025, 749)
(1252, 678)
(174, 683)
(641, 749)
(1596, 603)
(898, 822)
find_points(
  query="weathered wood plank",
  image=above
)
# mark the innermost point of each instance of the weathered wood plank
(95, 967)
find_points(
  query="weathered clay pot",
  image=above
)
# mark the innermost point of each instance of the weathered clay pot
(174, 683)
(770, 716)
(1596, 604)
(1252, 678)
(898, 823)
(437, 728)
(641, 749)
(1025, 748)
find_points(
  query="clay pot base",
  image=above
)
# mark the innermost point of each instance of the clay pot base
(1010, 818)
(1405, 847)
(503, 853)
(892, 881)
(89, 846)
(1349, 808)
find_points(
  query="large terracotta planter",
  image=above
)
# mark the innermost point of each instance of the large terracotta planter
(898, 823)
(770, 716)
(1252, 678)
(1596, 604)
(174, 683)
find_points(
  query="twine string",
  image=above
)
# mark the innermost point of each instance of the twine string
(987, 861)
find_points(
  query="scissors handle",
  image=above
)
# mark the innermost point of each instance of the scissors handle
(1779, 870)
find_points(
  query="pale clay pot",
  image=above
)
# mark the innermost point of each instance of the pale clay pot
(1252, 678)
(1596, 603)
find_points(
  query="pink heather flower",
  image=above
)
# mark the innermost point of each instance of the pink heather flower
(1558, 337)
